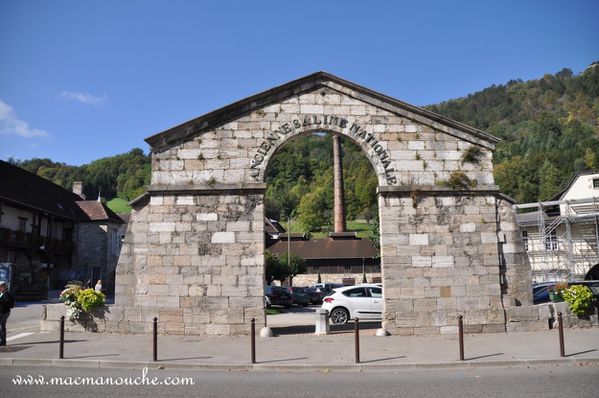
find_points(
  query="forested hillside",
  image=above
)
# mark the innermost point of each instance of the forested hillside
(550, 128)
(300, 182)
(124, 176)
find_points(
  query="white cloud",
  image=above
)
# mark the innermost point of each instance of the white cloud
(84, 97)
(11, 124)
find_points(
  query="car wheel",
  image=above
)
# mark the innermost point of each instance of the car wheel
(339, 316)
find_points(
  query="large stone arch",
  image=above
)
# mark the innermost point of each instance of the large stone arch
(193, 253)
(381, 163)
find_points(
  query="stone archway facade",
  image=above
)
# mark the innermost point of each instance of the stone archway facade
(194, 250)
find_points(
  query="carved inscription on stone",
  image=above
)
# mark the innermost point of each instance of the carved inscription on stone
(314, 122)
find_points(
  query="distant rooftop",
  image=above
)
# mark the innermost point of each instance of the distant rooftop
(326, 248)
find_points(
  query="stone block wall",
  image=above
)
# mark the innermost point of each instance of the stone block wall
(92, 247)
(513, 259)
(544, 316)
(439, 260)
(94, 240)
(311, 279)
(195, 261)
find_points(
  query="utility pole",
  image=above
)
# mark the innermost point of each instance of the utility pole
(289, 245)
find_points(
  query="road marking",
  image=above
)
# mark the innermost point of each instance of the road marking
(20, 335)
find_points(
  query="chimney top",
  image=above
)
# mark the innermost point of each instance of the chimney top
(78, 189)
(343, 235)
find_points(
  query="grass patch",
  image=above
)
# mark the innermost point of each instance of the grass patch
(362, 228)
(119, 205)
(274, 311)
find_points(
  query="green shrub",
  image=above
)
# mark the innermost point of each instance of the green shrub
(89, 299)
(579, 297)
(472, 155)
(458, 180)
(79, 300)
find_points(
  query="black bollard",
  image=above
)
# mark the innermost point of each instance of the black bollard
(253, 339)
(461, 336)
(357, 339)
(560, 325)
(61, 340)
(155, 340)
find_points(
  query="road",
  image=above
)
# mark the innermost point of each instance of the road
(293, 315)
(545, 382)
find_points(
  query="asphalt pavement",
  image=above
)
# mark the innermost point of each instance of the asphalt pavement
(543, 382)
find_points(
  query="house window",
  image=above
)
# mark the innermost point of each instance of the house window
(551, 241)
(114, 244)
(525, 239)
(595, 183)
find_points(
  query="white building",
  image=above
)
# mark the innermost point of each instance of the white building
(562, 236)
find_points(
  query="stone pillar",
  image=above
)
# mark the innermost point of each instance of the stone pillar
(195, 259)
(322, 322)
(517, 279)
(440, 260)
(338, 186)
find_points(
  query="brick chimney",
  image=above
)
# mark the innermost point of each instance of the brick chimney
(339, 209)
(78, 189)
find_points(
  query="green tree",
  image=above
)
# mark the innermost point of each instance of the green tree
(299, 177)
(375, 236)
(293, 265)
(273, 270)
(549, 181)
(590, 159)
(315, 209)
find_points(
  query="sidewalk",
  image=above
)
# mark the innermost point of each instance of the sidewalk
(289, 352)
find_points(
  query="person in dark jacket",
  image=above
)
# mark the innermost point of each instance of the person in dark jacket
(7, 302)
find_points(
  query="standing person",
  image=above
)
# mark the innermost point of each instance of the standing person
(7, 302)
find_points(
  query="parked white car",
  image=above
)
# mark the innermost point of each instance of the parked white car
(363, 301)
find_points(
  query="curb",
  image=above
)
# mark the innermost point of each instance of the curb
(72, 363)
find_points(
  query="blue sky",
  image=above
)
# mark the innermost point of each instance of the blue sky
(81, 80)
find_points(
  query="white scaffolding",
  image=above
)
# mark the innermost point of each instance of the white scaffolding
(561, 237)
